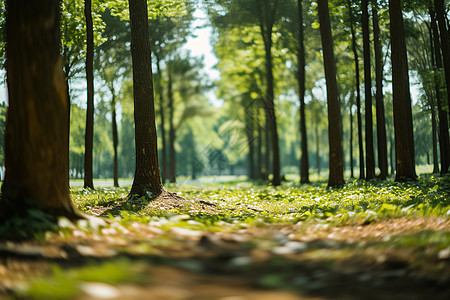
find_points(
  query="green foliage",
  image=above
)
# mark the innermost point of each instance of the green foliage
(156, 8)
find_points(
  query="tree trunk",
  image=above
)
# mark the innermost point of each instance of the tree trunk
(266, 27)
(381, 120)
(249, 130)
(370, 158)
(431, 99)
(89, 135)
(36, 134)
(115, 140)
(352, 174)
(336, 176)
(358, 95)
(304, 164)
(147, 181)
(443, 120)
(172, 153)
(445, 44)
(163, 128)
(403, 125)
(317, 149)
(259, 141)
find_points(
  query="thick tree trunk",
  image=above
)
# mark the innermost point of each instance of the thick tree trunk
(304, 164)
(403, 125)
(381, 120)
(172, 153)
(36, 133)
(358, 95)
(147, 181)
(115, 140)
(336, 176)
(370, 158)
(163, 128)
(89, 135)
(445, 43)
(444, 143)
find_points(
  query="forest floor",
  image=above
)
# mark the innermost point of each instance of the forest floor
(376, 240)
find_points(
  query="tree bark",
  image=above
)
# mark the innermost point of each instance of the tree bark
(115, 140)
(381, 120)
(304, 164)
(431, 99)
(358, 95)
(172, 153)
(336, 176)
(36, 134)
(89, 135)
(352, 174)
(445, 43)
(444, 142)
(163, 123)
(370, 158)
(147, 181)
(403, 125)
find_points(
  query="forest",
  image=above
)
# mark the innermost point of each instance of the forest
(225, 149)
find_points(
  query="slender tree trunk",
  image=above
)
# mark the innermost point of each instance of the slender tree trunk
(266, 17)
(431, 99)
(445, 44)
(163, 128)
(115, 139)
(352, 174)
(336, 176)
(403, 125)
(370, 158)
(259, 141)
(172, 153)
(304, 165)
(381, 120)
(37, 119)
(250, 140)
(358, 95)
(444, 143)
(89, 136)
(317, 149)
(147, 181)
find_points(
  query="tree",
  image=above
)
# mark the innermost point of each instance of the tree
(358, 93)
(336, 176)
(37, 171)
(403, 127)
(304, 165)
(89, 136)
(443, 120)
(445, 43)
(381, 120)
(370, 159)
(147, 181)
(265, 15)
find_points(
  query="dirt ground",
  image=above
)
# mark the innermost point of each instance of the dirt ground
(301, 261)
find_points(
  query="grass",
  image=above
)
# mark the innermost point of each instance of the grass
(252, 209)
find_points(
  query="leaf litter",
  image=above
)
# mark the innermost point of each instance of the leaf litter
(361, 242)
